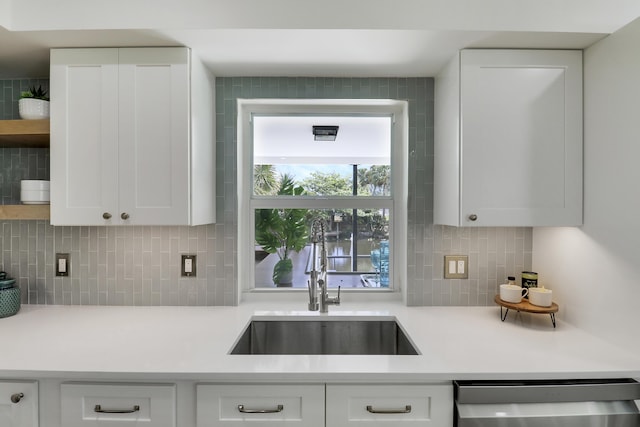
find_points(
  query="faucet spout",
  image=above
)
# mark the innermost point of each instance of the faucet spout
(318, 276)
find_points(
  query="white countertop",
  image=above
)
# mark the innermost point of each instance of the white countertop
(174, 343)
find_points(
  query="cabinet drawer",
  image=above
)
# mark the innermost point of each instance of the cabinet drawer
(390, 405)
(18, 404)
(260, 405)
(94, 404)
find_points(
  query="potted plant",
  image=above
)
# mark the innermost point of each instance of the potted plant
(282, 231)
(34, 104)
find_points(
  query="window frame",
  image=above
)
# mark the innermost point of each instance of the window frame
(398, 110)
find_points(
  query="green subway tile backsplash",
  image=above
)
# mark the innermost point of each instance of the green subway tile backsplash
(140, 265)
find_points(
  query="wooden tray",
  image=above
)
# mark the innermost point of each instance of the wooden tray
(527, 307)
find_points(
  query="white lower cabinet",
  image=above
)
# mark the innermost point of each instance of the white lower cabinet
(319, 405)
(187, 403)
(121, 404)
(389, 405)
(18, 404)
(260, 405)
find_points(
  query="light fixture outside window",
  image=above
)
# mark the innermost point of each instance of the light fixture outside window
(325, 133)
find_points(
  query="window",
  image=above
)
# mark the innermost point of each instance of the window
(356, 184)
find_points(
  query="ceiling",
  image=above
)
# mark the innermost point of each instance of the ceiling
(337, 38)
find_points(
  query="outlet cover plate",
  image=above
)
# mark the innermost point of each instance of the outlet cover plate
(62, 265)
(184, 270)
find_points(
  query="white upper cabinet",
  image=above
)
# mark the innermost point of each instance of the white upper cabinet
(508, 139)
(132, 137)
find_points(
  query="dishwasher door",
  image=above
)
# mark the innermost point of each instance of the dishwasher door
(542, 403)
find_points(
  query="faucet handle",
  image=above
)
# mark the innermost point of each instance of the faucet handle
(335, 300)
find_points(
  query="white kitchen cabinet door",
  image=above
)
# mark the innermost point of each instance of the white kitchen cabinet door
(98, 404)
(18, 404)
(390, 405)
(226, 405)
(138, 147)
(153, 162)
(84, 135)
(508, 139)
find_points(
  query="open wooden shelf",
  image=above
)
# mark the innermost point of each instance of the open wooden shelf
(24, 133)
(24, 212)
(28, 134)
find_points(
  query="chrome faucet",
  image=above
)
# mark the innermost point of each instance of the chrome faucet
(318, 277)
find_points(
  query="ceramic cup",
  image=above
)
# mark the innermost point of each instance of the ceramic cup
(33, 191)
(540, 297)
(512, 293)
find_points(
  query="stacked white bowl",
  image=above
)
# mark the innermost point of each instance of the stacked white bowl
(34, 192)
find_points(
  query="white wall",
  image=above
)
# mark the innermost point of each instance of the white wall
(594, 270)
(5, 13)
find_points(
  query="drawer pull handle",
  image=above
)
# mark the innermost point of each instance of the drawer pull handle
(242, 409)
(16, 397)
(406, 410)
(99, 409)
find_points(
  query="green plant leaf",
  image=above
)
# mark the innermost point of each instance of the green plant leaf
(281, 231)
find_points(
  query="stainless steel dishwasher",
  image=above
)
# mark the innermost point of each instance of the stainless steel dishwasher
(547, 403)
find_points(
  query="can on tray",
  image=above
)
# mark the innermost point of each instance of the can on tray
(529, 280)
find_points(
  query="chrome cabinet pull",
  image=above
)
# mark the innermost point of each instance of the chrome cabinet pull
(124, 216)
(106, 215)
(406, 410)
(99, 409)
(16, 397)
(242, 409)
(473, 217)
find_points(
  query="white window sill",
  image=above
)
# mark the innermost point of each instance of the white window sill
(302, 295)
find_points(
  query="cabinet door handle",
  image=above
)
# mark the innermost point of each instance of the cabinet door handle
(406, 410)
(106, 215)
(99, 409)
(16, 397)
(124, 216)
(242, 409)
(473, 217)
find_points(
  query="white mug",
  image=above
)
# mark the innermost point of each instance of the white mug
(512, 293)
(540, 297)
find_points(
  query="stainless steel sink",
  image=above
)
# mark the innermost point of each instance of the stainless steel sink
(324, 336)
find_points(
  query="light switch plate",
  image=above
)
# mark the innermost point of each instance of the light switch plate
(456, 267)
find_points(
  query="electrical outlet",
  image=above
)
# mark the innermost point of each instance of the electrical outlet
(189, 265)
(62, 265)
(456, 267)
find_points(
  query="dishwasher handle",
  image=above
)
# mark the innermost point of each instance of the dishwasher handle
(552, 391)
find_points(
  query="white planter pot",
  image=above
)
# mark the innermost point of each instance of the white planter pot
(33, 109)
